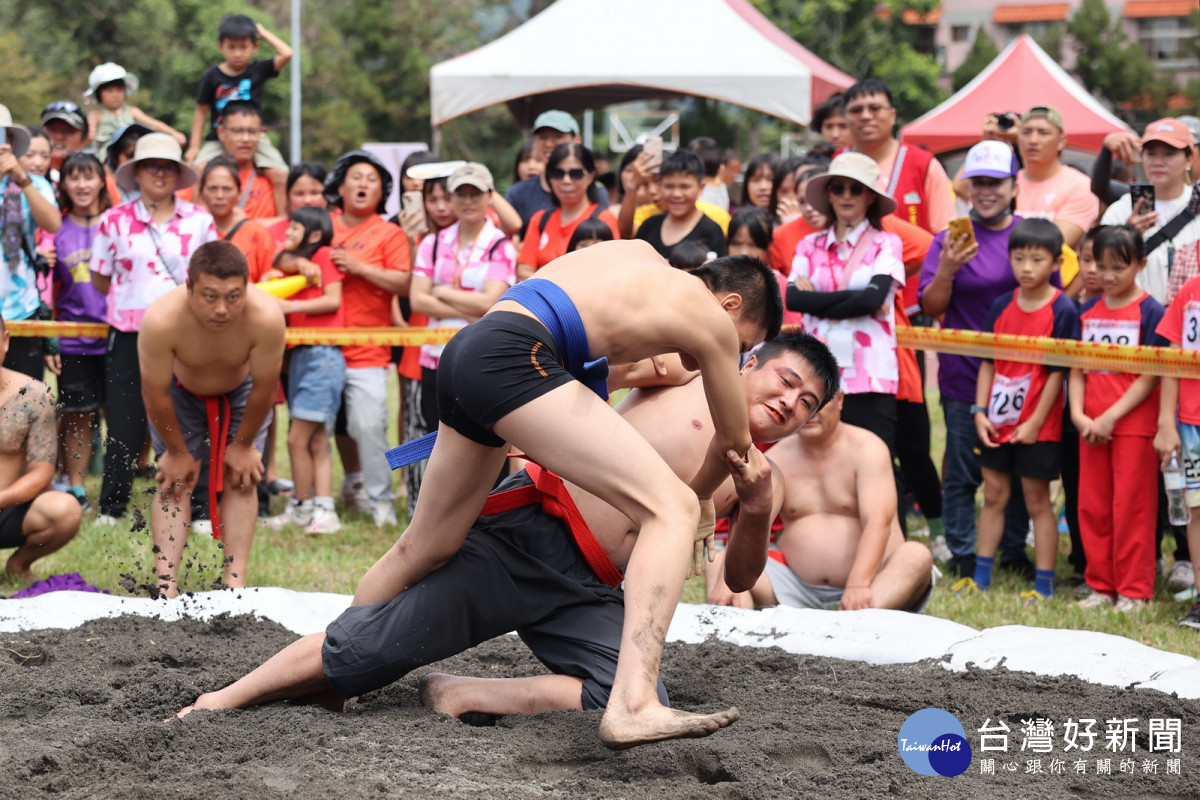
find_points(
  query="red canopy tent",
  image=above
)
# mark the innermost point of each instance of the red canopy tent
(1019, 78)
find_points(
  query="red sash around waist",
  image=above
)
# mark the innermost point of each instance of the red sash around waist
(218, 415)
(549, 490)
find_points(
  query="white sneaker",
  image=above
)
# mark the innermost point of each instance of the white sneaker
(109, 520)
(1096, 600)
(384, 513)
(202, 527)
(355, 498)
(292, 515)
(1181, 577)
(1125, 604)
(324, 520)
(939, 549)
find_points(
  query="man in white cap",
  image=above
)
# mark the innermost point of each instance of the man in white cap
(26, 204)
(1046, 187)
(550, 129)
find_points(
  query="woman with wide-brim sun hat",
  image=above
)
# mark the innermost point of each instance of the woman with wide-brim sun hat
(844, 279)
(140, 253)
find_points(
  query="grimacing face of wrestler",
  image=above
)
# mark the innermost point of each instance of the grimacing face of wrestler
(781, 395)
(217, 302)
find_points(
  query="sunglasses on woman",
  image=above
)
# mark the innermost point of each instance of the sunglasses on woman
(839, 189)
(575, 173)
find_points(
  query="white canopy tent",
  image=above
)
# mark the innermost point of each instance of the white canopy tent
(579, 54)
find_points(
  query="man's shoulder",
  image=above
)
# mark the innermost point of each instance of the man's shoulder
(25, 386)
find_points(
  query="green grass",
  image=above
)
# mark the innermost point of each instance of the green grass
(117, 558)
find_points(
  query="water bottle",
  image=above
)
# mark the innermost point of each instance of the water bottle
(1175, 482)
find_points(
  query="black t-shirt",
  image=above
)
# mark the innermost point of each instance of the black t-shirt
(217, 89)
(706, 232)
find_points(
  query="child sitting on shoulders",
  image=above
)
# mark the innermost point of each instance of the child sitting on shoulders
(239, 78)
(1018, 407)
(316, 377)
(1117, 417)
(110, 85)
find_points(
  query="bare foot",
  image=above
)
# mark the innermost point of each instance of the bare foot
(659, 723)
(436, 694)
(20, 573)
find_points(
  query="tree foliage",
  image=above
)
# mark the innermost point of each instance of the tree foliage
(983, 51)
(853, 37)
(1107, 63)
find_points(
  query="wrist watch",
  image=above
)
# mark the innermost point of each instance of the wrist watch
(978, 409)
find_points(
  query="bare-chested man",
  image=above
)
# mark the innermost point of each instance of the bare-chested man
(526, 374)
(841, 537)
(210, 353)
(35, 521)
(520, 570)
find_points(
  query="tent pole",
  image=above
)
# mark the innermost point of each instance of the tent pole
(435, 139)
(294, 134)
(589, 119)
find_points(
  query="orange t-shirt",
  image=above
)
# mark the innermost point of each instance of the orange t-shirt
(257, 245)
(260, 202)
(540, 251)
(383, 246)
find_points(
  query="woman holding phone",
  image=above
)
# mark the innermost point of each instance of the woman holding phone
(1166, 158)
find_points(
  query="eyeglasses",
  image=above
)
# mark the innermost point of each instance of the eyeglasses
(243, 133)
(873, 109)
(839, 189)
(167, 167)
(575, 173)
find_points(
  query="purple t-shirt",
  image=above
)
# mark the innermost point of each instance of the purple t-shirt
(78, 300)
(976, 286)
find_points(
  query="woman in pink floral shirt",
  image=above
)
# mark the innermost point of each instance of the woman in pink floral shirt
(844, 281)
(141, 252)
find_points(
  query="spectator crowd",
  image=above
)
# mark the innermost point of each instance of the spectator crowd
(102, 209)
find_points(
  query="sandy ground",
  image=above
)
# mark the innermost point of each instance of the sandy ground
(81, 713)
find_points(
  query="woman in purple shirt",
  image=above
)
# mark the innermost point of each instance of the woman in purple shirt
(80, 368)
(959, 282)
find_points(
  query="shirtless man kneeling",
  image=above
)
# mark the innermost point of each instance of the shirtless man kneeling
(223, 341)
(519, 569)
(35, 521)
(841, 537)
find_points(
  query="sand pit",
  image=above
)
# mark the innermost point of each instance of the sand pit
(82, 713)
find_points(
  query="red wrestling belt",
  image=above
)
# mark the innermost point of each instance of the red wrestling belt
(549, 490)
(218, 414)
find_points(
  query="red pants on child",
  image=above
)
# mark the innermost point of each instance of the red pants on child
(1118, 510)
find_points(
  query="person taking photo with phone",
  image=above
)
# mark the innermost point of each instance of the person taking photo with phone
(1159, 209)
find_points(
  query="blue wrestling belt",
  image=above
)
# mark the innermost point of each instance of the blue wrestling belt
(554, 309)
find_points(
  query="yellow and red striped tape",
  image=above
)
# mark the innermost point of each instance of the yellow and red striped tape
(1162, 361)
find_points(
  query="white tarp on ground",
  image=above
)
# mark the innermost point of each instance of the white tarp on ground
(876, 637)
(578, 54)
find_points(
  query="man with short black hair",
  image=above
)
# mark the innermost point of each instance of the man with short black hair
(210, 354)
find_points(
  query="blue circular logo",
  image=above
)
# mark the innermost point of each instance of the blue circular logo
(933, 742)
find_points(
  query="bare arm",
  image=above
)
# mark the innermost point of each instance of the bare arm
(642, 176)
(1166, 441)
(467, 303)
(984, 428)
(283, 53)
(327, 303)
(199, 118)
(266, 360)
(1027, 431)
(177, 469)
(151, 122)
(760, 492)
(1134, 396)
(41, 449)
(101, 282)
(510, 220)
(877, 514)
(935, 297)
(1071, 232)
(664, 370)
(714, 349)
(395, 281)
(1075, 390)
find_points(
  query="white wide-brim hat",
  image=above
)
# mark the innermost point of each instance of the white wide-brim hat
(107, 73)
(858, 168)
(160, 146)
(15, 135)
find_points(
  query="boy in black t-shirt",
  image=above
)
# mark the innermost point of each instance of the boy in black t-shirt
(681, 179)
(239, 78)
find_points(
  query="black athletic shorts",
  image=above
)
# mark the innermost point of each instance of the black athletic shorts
(12, 520)
(492, 367)
(81, 384)
(1039, 460)
(517, 570)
